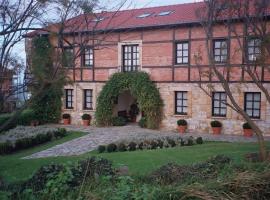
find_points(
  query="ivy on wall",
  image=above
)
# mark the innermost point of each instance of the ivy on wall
(141, 87)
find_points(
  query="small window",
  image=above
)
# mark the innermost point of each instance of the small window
(164, 13)
(67, 58)
(88, 99)
(253, 104)
(182, 53)
(88, 57)
(253, 49)
(220, 51)
(69, 98)
(144, 15)
(219, 101)
(131, 58)
(98, 19)
(181, 103)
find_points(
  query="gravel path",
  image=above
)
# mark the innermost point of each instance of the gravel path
(99, 136)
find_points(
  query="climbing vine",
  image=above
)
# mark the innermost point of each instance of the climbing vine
(141, 87)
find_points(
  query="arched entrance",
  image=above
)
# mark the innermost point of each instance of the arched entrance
(139, 86)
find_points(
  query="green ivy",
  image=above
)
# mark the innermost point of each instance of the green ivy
(141, 87)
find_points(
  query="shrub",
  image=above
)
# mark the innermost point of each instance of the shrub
(26, 117)
(111, 147)
(142, 122)
(66, 116)
(61, 132)
(122, 147)
(4, 118)
(199, 140)
(246, 126)
(101, 148)
(190, 141)
(154, 145)
(86, 117)
(216, 124)
(119, 121)
(182, 122)
(160, 143)
(132, 146)
(23, 143)
(171, 142)
(6, 148)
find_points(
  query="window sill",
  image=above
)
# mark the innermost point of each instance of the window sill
(182, 115)
(68, 109)
(219, 117)
(181, 65)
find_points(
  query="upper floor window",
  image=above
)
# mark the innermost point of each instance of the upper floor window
(253, 49)
(88, 99)
(220, 49)
(131, 57)
(182, 53)
(181, 103)
(69, 98)
(67, 58)
(253, 104)
(88, 57)
(219, 100)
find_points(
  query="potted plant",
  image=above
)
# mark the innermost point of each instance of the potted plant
(66, 119)
(216, 127)
(248, 132)
(182, 125)
(34, 122)
(86, 119)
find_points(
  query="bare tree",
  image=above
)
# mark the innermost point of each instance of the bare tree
(254, 17)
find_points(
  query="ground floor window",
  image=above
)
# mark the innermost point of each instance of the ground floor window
(88, 99)
(181, 103)
(219, 100)
(253, 104)
(69, 98)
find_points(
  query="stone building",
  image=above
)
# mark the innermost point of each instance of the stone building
(164, 41)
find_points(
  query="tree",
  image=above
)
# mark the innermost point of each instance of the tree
(253, 14)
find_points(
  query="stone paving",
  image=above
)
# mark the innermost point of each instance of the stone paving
(100, 136)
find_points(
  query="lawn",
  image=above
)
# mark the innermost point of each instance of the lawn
(14, 169)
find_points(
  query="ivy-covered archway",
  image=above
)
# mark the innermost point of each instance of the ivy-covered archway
(141, 87)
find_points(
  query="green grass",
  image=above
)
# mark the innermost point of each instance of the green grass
(13, 168)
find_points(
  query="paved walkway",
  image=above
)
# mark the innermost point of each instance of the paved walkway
(100, 136)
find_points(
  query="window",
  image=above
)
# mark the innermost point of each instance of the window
(144, 15)
(69, 98)
(88, 99)
(88, 57)
(182, 52)
(253, 49)
(220, 51)
(219, 100)
(164, 13)
(131, 58)
(253, 104)
(181, 103)
(67, 59)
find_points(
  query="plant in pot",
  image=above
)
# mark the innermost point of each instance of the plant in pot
(133, 112)
(248, 132)
(216, 127)
(182, 125)
(66, 119)
(86, 118)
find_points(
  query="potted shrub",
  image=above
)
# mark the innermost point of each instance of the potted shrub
(66, 118)
(86, 119)
(34, 122)
(182, 125)
(216, 127)
(248, 132)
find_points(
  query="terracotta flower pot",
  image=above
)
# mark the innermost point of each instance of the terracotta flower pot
(248, 132)
(86, 122)
(182, 129)
(34, 123)
(216, 130)
(66, 121)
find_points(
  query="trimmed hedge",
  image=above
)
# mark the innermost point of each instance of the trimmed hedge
(24, 143)
(141, 87)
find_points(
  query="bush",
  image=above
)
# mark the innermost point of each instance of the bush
(122, 147)
(246, 126)
(154, 145)
(132, 146)
(4, 118)
(160, 143)
(142, 122)
(190, 141)
(61, 132)
(6, 148)
(66, 116)
(119, 121)
(171, 142)
(216, 124)
(86, 117)
(101, 148)
(182, 122)
(26, 117)
(111, 147)
(199, 140)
